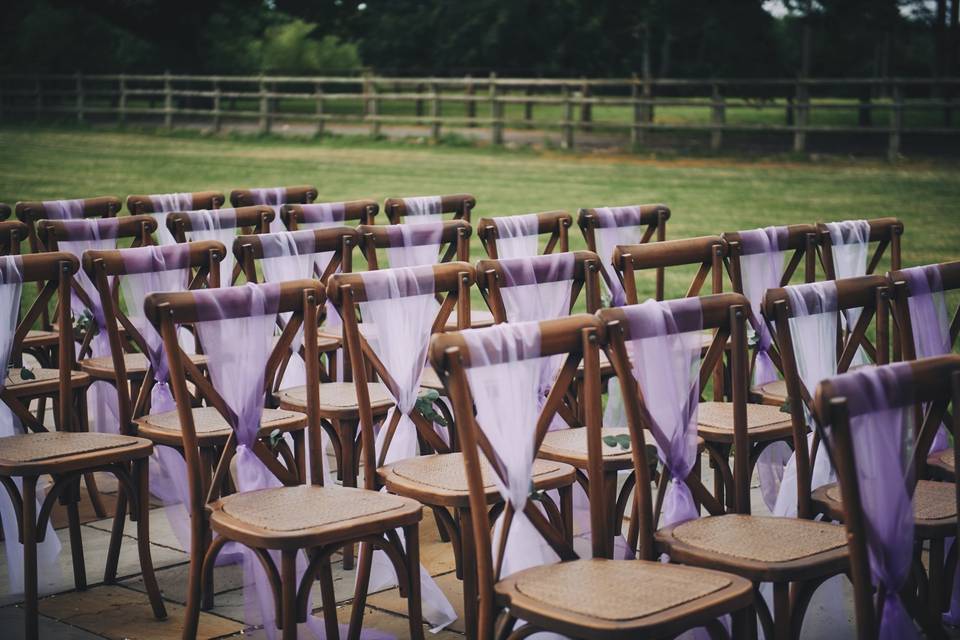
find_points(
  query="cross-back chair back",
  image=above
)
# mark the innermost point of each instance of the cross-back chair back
(12, 233)
(328, 214)
(845, 246)
(869, 420)
(413, 209)
(162, 268)
(398, 370)
(303, 194)
(706, 252)
(158, 205)
(408, 245)
(606, 227)
(323, 252)
(519, 235)
(925, 324)
(539, 287)
(32, 212)
(813, 346)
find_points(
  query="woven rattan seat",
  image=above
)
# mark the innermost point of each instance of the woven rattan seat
(478, 318)
(43, 379)
(50, 448)
(616, 590)
(337, 397)
(605, 366)
(944, 461)
(570, 446)
(764, 422)
(444, 476)
(165, 427)
(430, 380)
(135, 363)
(763, 539)
(931, 500)
(772, 393)
(14, 376)
(36, 337)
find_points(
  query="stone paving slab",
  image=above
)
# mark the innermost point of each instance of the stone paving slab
(448, 583)
(12, 623)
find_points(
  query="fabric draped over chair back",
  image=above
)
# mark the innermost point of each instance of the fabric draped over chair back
(615, 226)
(159, 269)
(421, 209)
(879, 404)
(517, 236)
(849, 241)
(93, 234)
(322, 215)
(219, 225)
(11, 287)
(813, 330)
(664, 351)
(414, 245)
(503, 378)
(164, 203)
(762, 253)
(63, 209)
(273, 197)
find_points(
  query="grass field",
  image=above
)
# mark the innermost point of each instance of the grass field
(706, 195)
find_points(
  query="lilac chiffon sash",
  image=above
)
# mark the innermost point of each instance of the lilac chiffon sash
(616, 226)
(413, 245)
(517, 236)
(273, 197)
(219, 225)
(48, 551)
(879, 402)
(422, 209)
(850, 247)
(63, 209)
(761, 268)
(164, 203)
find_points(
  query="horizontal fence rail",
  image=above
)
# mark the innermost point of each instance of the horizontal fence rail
(892, 107)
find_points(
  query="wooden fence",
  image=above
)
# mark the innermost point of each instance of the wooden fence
(891, 107)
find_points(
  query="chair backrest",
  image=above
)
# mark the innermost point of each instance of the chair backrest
(868, 420)
(304, 194)
(630, 335)
(12, 233)
(606, 227)
(221, 225)
(706, 253)
(491, 375)
(158, 205)
(855, 236)
(517, 236)
(806, 319)
(241, 375)
(408, 245)
(322, 253)
(400, 312)
(31, 212)
(53, 273)
(921, 311)
(328, 214)
(539, 287)
(135, 274)
(430, 207)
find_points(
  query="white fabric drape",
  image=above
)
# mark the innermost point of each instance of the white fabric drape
(421, 209)
(849, 241)
(414, 245)
(219, 225)
(615, 226)
(164, 203)
(275, 198)
(63, 209)
(517, 236)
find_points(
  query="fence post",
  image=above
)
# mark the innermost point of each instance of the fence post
(635, 131)
(567, 142)
(718, 116)
(370, 106)
(896, 122)
(318, 92)
(167, 101)
(264, 108)
(648, 114)
(435, 112)
(216, 105)
(419, 103)
(586, 109)
(471, 105)
(528, 108)
(864, 112)
(802, 117)
(80, 96)
(122, 100)
(496, 119)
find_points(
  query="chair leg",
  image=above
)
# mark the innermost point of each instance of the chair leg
(329, 598)
(29, 532)
(198, 551)
(96, 500)
(347, 431)
(364, 563)
(116, 538)
(76, 538)
(936, 580)
(141, 479)
(288, 593)
(470, 594)
(411, 534)
(781, 610)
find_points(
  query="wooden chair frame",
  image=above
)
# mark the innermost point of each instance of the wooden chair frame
(302, 194)
(454, 242)
(707, 251)
(32, 212)
(12, 233)
(5, 211)
(363, 211)
(459, 204)
(140, 204)
(654, 216)
(556, 223)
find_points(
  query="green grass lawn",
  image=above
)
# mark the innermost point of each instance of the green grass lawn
(706, 195)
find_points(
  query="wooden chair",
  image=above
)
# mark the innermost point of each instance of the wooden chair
(941, 464)
(581, 598)
(252, 219)
(335, 242)
(885, 232)
(706, 253)
(5, 211)
(141, 204)
(290, 195)
(555, 223)
(296, 516)
(32, 212)
(460, 205)
(314, 215)
(930, 382)
(653, 216)
(12, 234)
(801, 240)
(761, 549)
(67, 454)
